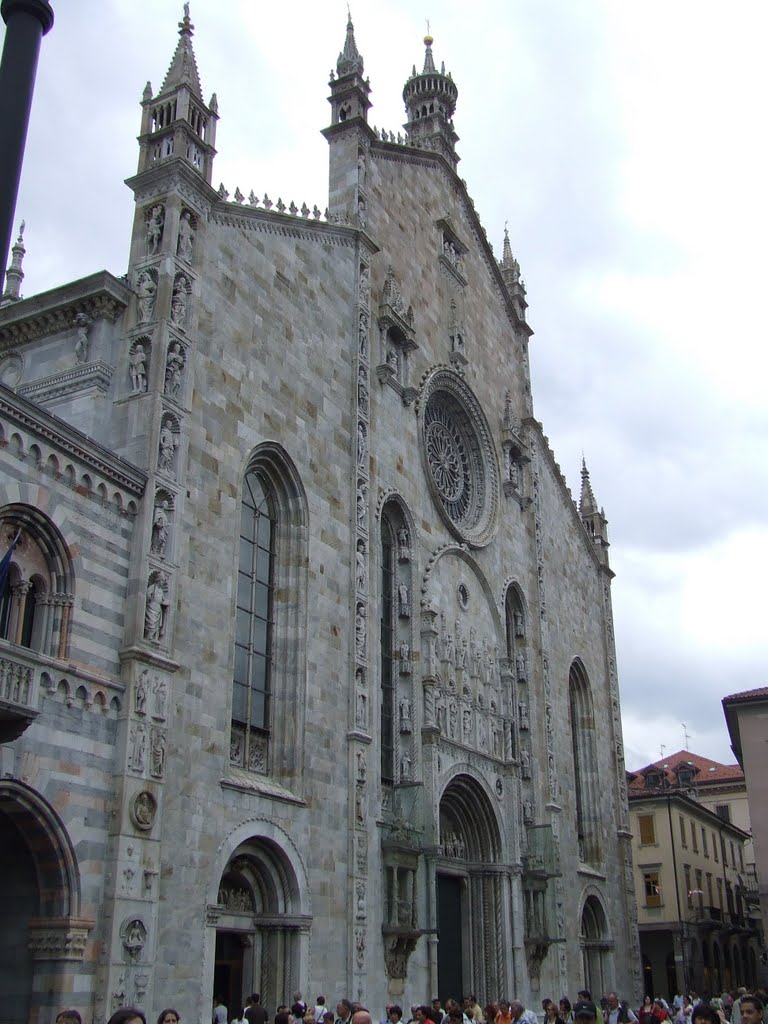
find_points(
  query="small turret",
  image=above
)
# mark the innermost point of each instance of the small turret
(430, 101)
(593, 518)
(177, 122)
(510, 271)
(14, 275)
(349, 90)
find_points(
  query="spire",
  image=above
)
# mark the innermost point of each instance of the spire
(430, 100)
(176, 122)
(587, 503)
(183, 69)
(593, 517)
(14, 275)
(350, 61)
(429, 63)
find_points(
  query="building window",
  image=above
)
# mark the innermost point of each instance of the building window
(584, 748)
(733, 855)
(704, 844)
(38, 593)
(723, 811)
(699, 892)
(714, 848)
(269, 671)
(652, 780)
(741, 858)
(388, 639)
(652, 888)
(683, 835)
(720, 893)
(253, 631)
(688, 888)
(694, 837)
(647, 829)
(710, 900)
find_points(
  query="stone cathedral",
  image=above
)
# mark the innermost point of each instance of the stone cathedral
(307, 667)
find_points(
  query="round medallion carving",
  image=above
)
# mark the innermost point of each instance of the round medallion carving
(460, 459)
(143, 810)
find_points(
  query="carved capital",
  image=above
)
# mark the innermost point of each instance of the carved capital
(59, 938)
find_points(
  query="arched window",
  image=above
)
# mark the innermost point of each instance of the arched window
(37, 595)
(584, 747)
(269, 670)
(253, 630)
(388, 635)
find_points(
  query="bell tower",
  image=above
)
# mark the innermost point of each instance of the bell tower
(177, 122)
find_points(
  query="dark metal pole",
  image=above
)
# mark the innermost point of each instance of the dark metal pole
(26, 23)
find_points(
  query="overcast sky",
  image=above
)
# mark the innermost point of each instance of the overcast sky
(624, 144)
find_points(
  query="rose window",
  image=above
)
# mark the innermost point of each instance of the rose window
(459, 459)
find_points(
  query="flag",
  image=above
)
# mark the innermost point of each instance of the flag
(5, 562)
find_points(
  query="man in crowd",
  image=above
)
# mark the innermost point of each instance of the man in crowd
(618, 1012)
(751, 1010)
(519, 1013)
(472, 1009)
(254, 1011)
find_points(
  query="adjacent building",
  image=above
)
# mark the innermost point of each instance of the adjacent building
(307, 667)
(698, 911)
(746, 715)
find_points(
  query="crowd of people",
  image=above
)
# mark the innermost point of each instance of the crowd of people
(738, 1007)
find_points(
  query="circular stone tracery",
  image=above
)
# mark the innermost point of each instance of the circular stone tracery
(460, 460)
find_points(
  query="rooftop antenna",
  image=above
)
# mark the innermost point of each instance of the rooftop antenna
(685, 733)
(662, 748)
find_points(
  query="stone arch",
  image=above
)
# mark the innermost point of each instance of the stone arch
(36, 611)
(43, 934)
(595, 941)
(260, 890)
(467, 799)
(472, 901)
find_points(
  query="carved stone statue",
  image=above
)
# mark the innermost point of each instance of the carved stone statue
(155, 223)
(160, 693)
(146, 290)
(405, 605)
(405, 716)
(466, 716)
(361, 169)
(405, 767)
(362, 443)
(174, 369)
(518, 617)
(155, 610)
(509, 420)
(157, 752)
(453, 715)
(405, 659)
(362, 391)
(360, 630)
(140, 700)
(520, 666)
(362, 493)
(404, 549)
(523, 715)
(186, 238)
(361, 712)
(82, 323)
(160, 524)
(138, 368)
(365, 285)
(179, 301)
(362, 766)
(169, 442)
(361, 570)
(137, 740)
(362, 335)
(525, 763)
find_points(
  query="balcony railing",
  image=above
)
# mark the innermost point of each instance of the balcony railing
(19, 695)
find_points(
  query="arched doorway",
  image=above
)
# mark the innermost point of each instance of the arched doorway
(595, 946)
(259, 928)
(647, 976)
(40, 896)
(471, 953)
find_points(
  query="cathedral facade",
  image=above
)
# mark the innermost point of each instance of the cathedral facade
(307, 667)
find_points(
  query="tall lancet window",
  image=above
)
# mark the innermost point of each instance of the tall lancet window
(586, 782)
(255, 600)
(388, 641)
(269, 675)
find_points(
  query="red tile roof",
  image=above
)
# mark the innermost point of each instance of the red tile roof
(761, 691)
(705, 770)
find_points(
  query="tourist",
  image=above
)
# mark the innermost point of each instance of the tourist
(127, 1015)
(169, 1016)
